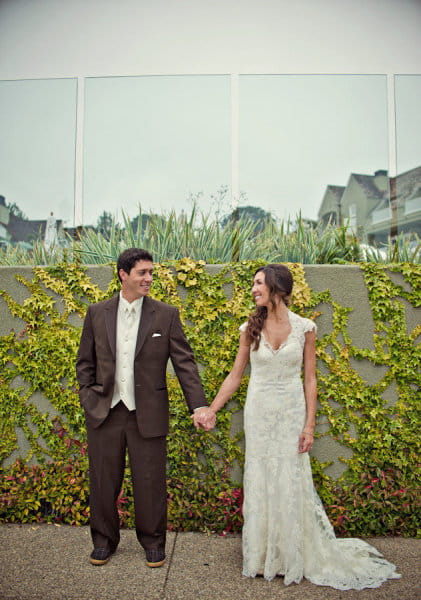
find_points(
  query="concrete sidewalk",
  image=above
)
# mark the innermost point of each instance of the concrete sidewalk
(50, 562)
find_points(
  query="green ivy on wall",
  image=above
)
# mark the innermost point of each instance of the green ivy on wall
(375, 496)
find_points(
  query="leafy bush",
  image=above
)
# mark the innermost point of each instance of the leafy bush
(54, 492)
(376, 504)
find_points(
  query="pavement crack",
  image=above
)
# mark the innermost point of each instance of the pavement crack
(167, 575)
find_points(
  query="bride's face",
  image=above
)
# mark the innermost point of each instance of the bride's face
(260, 290)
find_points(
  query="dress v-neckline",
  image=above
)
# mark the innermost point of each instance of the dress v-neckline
(283, 344)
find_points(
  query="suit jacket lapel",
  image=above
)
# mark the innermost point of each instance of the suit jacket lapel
(111, 322)
(145, 323)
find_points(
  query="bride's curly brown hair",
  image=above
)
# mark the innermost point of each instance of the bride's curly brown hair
(278, 279)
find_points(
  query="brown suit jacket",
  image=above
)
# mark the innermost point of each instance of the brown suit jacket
(96, 358)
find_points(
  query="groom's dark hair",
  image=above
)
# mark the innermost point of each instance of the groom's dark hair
(129, 258)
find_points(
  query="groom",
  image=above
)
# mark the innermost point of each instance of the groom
(121, 369)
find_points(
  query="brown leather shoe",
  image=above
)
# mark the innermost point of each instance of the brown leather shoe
(100, 556)
(155, 557)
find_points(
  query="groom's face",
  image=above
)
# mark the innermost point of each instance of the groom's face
(137, 283)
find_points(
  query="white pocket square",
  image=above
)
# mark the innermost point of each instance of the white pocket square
(156, 335)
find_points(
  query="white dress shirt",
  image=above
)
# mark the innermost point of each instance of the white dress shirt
(128, 318)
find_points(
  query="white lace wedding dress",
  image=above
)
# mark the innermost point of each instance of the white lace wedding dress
(286, 530)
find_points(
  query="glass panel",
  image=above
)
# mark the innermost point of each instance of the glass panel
(406, 192)
(37, 158)
(158, 142)
(315, 145)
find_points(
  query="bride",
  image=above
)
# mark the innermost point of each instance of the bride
(286, 531)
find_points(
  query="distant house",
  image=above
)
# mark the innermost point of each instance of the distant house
(331, 208)
(4, 222)
(376, 207)
(24, 232)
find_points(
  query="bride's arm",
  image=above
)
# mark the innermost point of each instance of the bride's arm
(232, 381)
(310, 392)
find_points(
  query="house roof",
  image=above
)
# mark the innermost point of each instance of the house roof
(336, 190)
(408, 184)
(25, 230)
(369, 187)
(331, 198)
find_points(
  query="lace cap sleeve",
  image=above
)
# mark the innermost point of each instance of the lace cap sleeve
(243, 327)
(309, 325)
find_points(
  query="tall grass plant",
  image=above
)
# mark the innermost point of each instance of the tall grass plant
(199, 236)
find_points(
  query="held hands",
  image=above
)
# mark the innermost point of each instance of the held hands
(305, 441)
(204, 417)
